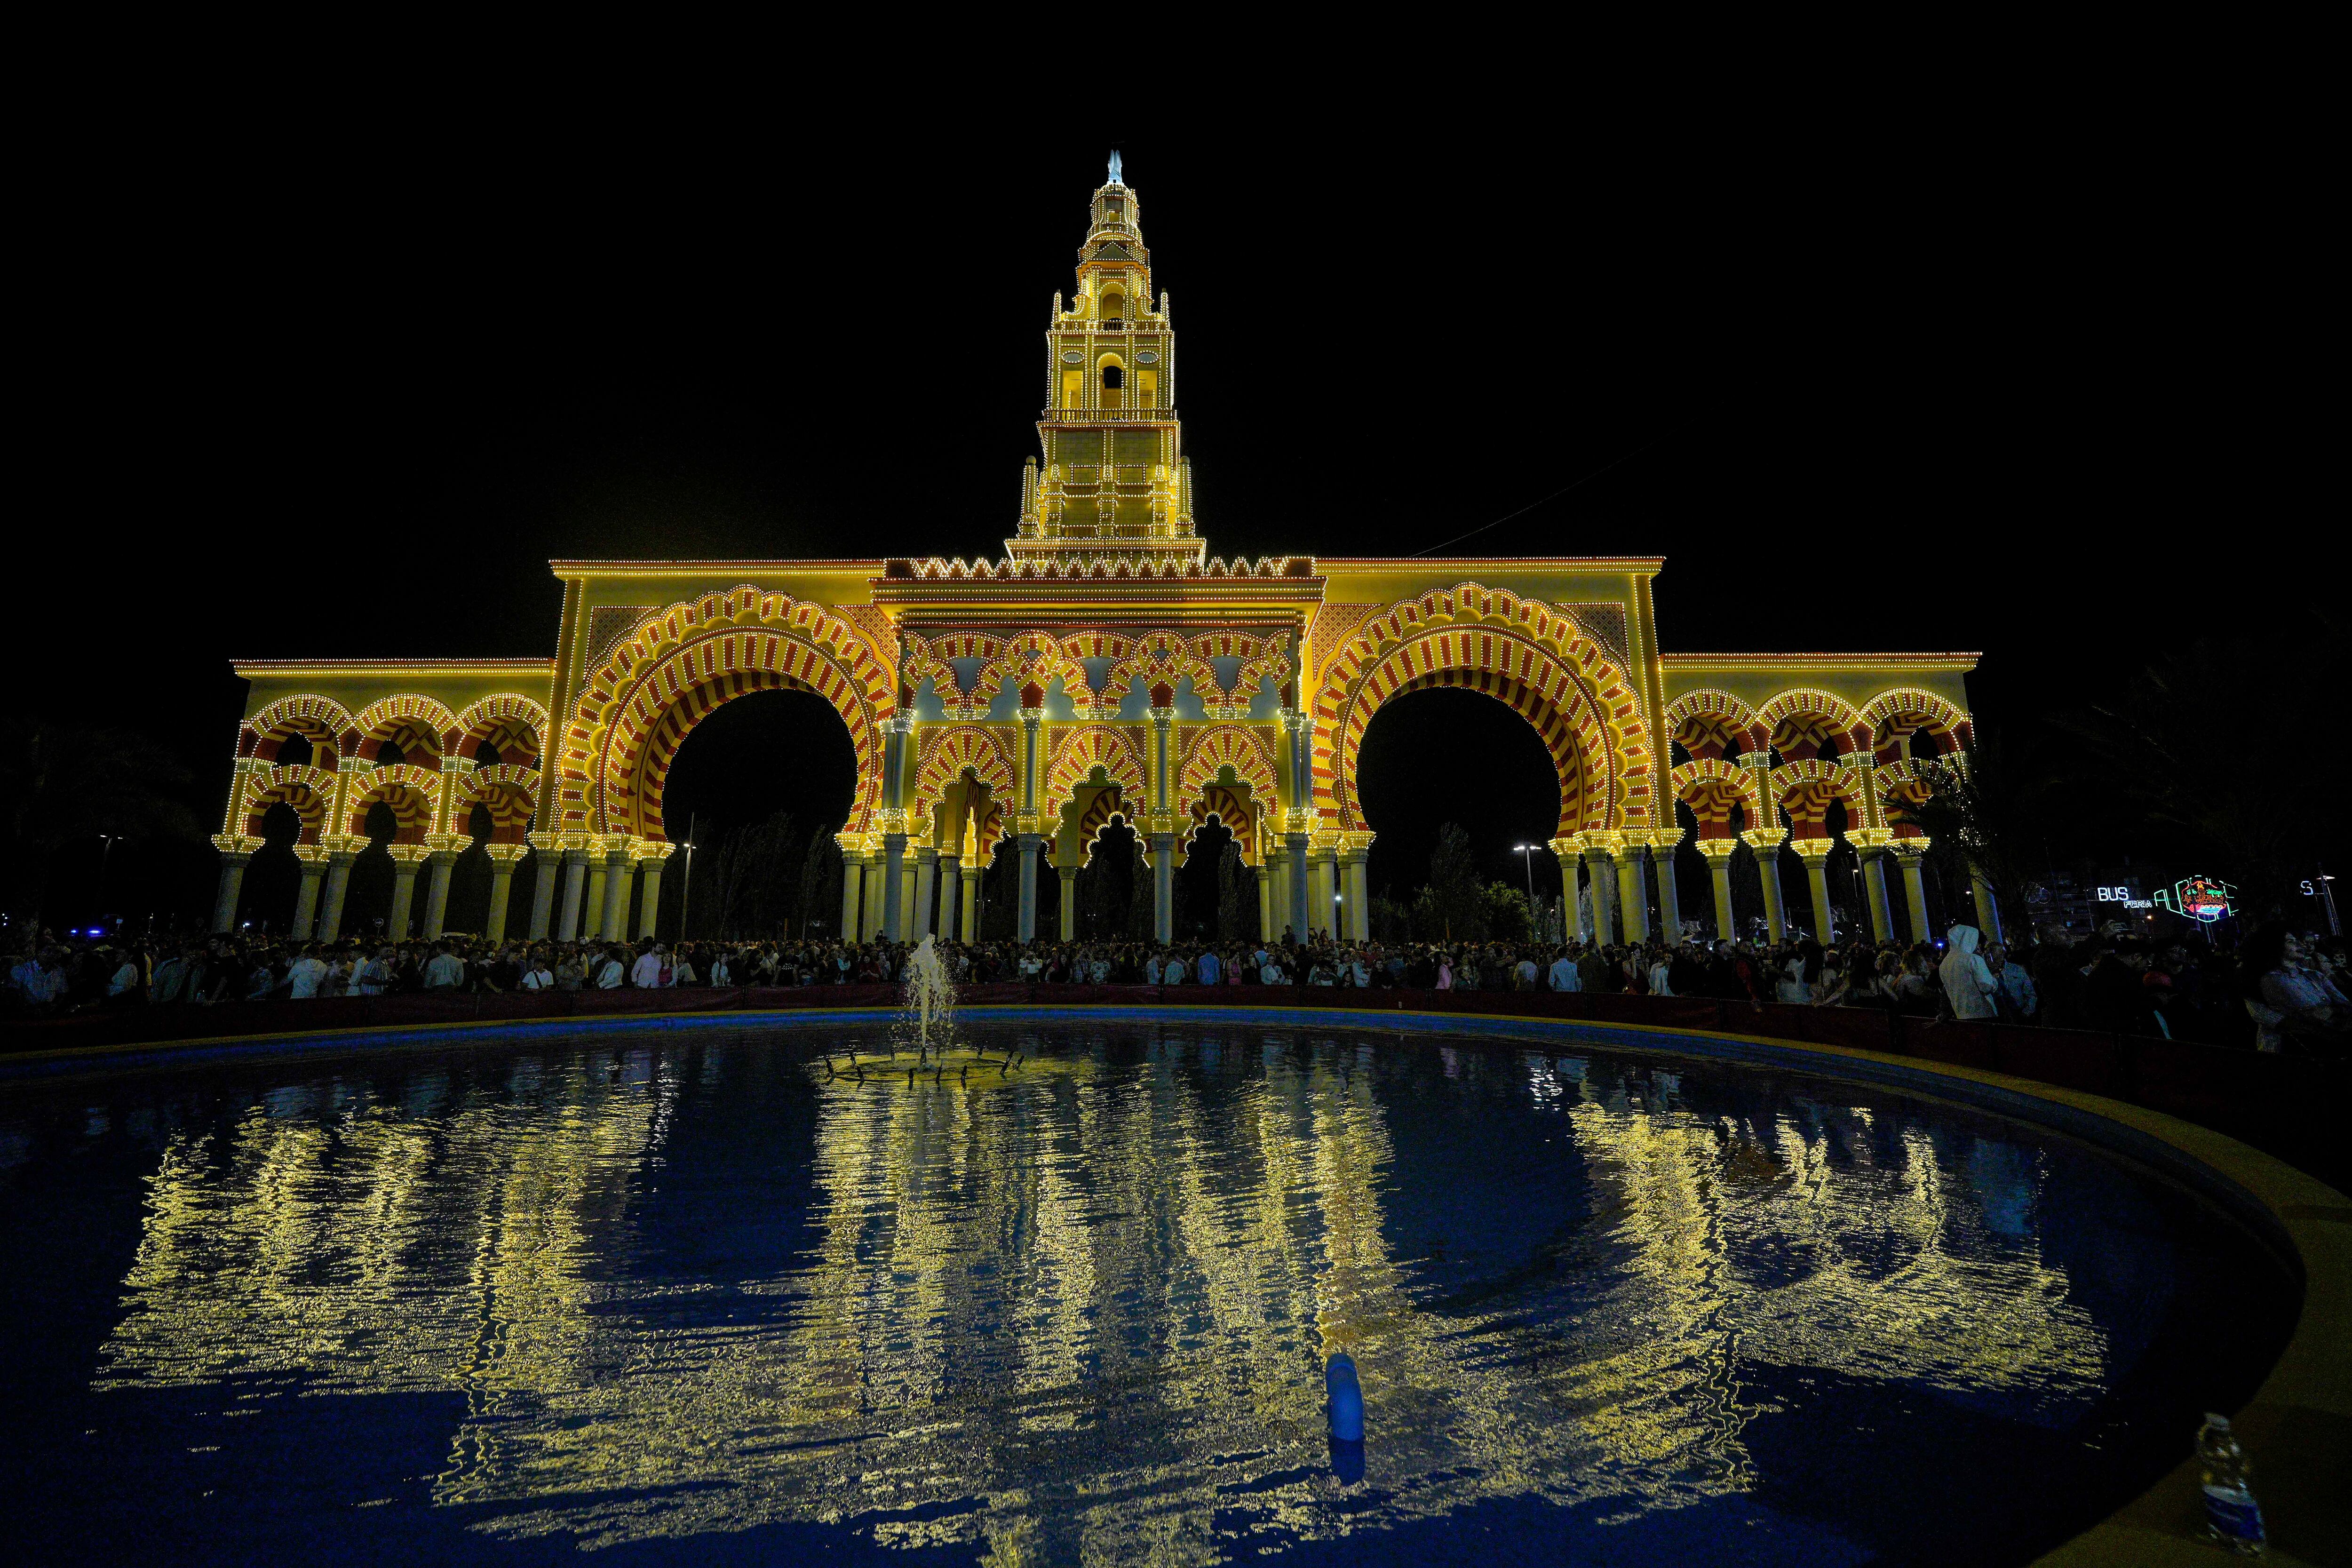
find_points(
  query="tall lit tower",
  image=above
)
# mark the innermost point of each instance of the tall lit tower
(1112, 482)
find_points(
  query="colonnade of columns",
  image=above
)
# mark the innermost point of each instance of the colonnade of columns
(1617, 868)
(1308, 883)
(600, 880)
(1316, 882)
(326, 878)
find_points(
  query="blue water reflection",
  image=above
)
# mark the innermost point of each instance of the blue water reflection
(684, 1296)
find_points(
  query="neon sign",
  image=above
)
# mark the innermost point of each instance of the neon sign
(2126, 896)
(2202, 899)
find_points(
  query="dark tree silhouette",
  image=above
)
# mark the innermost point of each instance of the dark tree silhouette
(2227, 746)
(59, 786)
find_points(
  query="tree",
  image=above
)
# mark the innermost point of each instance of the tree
(999, 904)
(1983, 816)
(748, 884)
(1506, 911)
(1142, 916)
(1457, 902)
(59, 786)
(1236, 895)
(819, 898)
(2219, 745)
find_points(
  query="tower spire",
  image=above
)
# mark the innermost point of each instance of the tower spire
(1113, 483)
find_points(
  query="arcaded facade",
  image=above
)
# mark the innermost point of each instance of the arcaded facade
(1103, 667)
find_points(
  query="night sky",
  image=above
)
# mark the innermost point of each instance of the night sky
(1877, 388)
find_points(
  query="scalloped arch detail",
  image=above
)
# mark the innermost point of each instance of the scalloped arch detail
(947, 754)
(678, 666)
(1080, 752)
(1522, 651)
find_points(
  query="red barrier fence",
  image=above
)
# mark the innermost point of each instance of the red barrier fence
(2287, 1106)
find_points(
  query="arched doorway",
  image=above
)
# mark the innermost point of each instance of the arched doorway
(1444, 757)
(1533, 658)
(758, 789)
(657, 684)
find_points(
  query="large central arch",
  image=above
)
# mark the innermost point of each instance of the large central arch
(1522, 653)
(686, 662)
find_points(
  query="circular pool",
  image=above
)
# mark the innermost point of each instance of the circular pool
(703, 1292)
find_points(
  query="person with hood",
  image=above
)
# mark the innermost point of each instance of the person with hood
(1968, 983)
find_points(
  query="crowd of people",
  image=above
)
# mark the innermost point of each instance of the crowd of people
(2276, 992)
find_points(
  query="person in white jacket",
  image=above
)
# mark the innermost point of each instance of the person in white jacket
(1968, 983)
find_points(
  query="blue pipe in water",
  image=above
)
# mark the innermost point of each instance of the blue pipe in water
(1344, 1399)
(1345, 1396)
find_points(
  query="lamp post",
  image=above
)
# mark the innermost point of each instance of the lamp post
(1526, 852)
(686, 894)
(105, 855)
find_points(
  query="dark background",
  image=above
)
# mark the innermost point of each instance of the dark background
(2019, 380)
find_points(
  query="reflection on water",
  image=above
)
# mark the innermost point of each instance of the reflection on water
(695, 1287)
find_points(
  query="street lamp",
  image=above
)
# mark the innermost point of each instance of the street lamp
(105, 855)
(686, 894)
(1526, 852)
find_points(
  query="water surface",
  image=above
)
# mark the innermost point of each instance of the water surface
(680, 1295)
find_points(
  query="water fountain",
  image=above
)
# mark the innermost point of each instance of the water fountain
(931, 993)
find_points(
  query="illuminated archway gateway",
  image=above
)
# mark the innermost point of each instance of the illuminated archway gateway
(1103, 665)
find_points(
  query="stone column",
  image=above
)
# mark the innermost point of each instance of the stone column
(1815, 854)
(927, 871)
(1273, 891)
(870, 927)
(1265, 879)
(1766, 842)
(1670, 895)
(502, 864)
(575, 873)
(1908, 853)
(1300, 916)
(1069, 901)
(851, 875)
(1571, 909)
(405, 859)
(436, 893)
(1988, 906)
(649, 907)
(1602, 868)
(950, 883)
(1163, 886)
(1026, 927)
(1633, 893)
(339, 885)
(1874, 887)
(1322, 888)
(968, 904)
(894, 910)
(232, 883)
(545, 861)
(620, 874)
(1358, 901)
(306, 901)
(591, 905)
(1570, 852)
(1718, 865)
(1026, 838)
